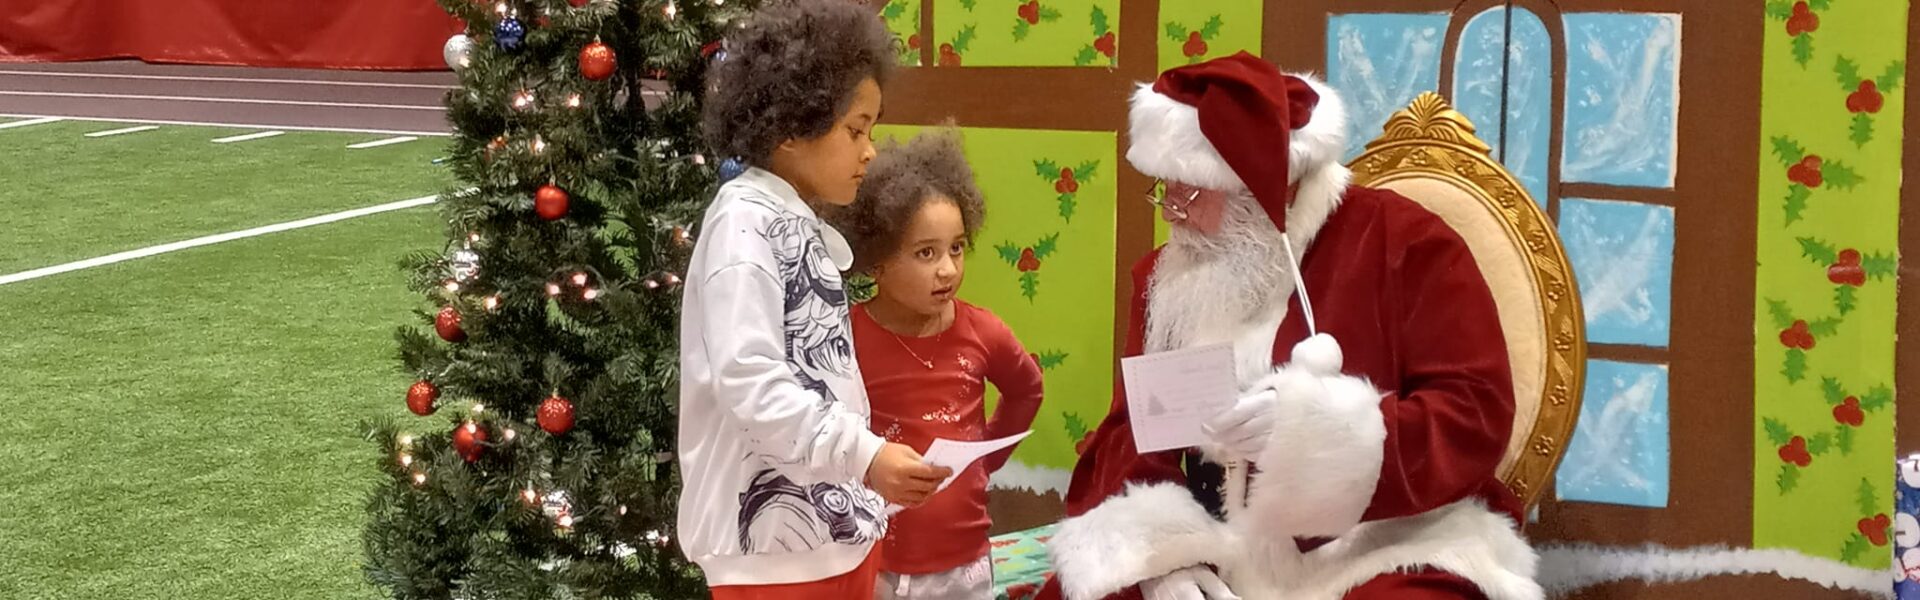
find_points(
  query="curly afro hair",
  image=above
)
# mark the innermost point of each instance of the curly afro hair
(789, 73)
(899, 181)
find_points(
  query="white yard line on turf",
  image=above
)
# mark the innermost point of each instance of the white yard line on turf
(30, 122)
(224, 100)
(247, 137)
(420, 86)
(386, 142)
(213, 239)
(239, 125)
(123, 130)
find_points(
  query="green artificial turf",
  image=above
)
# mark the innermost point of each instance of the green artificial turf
(67, 197)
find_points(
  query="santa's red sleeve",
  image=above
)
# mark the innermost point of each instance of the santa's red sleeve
(1109, 460)
(1449, 420)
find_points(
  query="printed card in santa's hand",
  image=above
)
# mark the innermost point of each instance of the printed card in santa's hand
(1171, 394)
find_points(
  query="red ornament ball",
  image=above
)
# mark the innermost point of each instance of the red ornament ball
(550, 202)
(420, 397)
(556, 415)
(596, 61)
(468, 440)
(447, 324)
(578, 3)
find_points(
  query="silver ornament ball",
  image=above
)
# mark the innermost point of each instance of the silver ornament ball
(456, 51)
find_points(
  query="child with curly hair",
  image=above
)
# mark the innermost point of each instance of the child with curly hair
(928, 356)
(784, 484)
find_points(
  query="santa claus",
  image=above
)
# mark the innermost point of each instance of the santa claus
(1357, 469)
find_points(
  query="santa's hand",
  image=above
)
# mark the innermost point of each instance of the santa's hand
(1191, 583)
(1241, 433)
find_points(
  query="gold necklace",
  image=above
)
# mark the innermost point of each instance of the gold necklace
(916, 356)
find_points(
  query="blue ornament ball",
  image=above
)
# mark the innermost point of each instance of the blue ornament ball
(509, 34)
(731, 168)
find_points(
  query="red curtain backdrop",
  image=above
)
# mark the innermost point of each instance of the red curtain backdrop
(331, 34)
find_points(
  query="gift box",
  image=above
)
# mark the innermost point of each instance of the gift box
(1906, 528)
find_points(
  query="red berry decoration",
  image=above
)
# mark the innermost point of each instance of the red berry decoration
(556, 415)
(1803, 20)
(1105, 45)
(1195, 46)
(1806, 172)
(596, 61)
(1875, 528)
(1028, 262)
(1030, 12)
(1795, 452)
(468, 440)
(420, 397)
(1797, 336)
(1848, 412)
(447, 324)
(550, 202)
(1846, 269)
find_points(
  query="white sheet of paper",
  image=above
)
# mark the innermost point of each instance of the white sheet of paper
(1171, 394)
(958, 455)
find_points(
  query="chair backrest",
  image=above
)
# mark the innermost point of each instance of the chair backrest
(1428, 153)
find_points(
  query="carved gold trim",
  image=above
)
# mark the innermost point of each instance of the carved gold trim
(1431, 140)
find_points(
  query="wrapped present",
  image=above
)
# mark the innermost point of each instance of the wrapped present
(1906, 528)
(1020, 563)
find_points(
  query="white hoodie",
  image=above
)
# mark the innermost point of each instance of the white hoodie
(774, 441)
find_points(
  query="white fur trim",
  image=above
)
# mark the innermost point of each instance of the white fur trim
(1565, 568)
(1030, 478)
(1322, 462)
(1463, 538)
(1145, 532)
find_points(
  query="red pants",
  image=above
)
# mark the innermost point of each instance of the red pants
(855, 584)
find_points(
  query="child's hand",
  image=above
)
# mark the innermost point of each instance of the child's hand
(899, 476)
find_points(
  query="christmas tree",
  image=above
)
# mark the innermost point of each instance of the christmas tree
(547, 360)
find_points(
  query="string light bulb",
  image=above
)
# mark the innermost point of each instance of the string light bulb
(492, 302)
(672, 279)
(453, 286)
(566, 521)
(406, 460)
(522, 100)
(473, 236)
(590, 294)
(553, 289)
(419, 478)
(573, 101)
(579, 278)
(477, 409)
(406, 440)
(651, 284)
(508, 434)
(671, 10)
(530, 496)
(623, 510)
(539, 145)
(500, 8)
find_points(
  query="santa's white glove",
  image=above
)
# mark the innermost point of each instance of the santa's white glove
(1242, 432)
(1191, 583)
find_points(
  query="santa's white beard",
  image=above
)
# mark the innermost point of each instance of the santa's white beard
(1211, 288)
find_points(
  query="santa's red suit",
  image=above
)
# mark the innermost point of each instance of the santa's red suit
(1376, 477)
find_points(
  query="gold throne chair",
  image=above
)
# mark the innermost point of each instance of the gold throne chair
(1428, 153)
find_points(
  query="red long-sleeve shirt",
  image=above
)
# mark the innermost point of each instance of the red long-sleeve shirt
(914, 404)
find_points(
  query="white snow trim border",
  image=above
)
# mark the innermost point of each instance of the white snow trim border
(1038, 480)
(1565, 568)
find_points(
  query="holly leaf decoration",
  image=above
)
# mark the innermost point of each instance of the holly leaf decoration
(1020, 29)
(1779, 9)
(1051, 359)
(1861, 131)
(1796, 365)
(1844, 298)
(1823, 327)
(1085, 172)
(1821, 253)
(1789, 151)
(1890, 79)
(1797, 196)
(969, 4)
(1047, 169)
(1086, 56)
(1049, 14)
(1855, 548)
(1777, 432)
(1046, 246)
(1820, 443)
(1076, 428)
(1030, 285)
(1099, 19)
(1008, 252)
(1848, 73)
(1066, 207)
(964, 40)
(1176, 32)
(1865, 498)
(1212, 28)
(1877, 398)
(1788, 478)
(1819, 4)
(1782, 316)
(1839, 175)
(1843, 439)
(893, 10)
(1830, 387)
(1803, 48)
(1879, 265)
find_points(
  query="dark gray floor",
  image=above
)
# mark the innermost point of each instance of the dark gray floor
(284, 98)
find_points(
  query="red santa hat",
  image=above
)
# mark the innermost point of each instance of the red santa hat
(1237, 123)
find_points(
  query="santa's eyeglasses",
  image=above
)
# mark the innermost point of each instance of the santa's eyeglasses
(1184, 195)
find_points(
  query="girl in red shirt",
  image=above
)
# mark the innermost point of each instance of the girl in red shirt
(927, 356)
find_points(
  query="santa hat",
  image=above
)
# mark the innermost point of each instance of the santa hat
(1237, 123)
